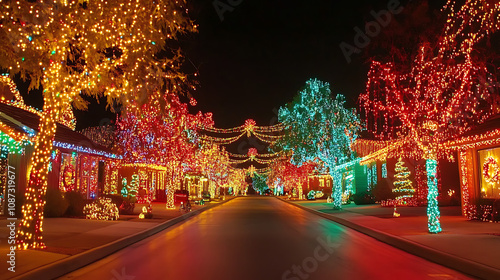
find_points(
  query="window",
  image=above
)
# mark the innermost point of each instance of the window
(489, 168)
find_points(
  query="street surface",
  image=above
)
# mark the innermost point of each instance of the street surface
(260, 238)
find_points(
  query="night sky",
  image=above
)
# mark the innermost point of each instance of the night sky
(262, 53)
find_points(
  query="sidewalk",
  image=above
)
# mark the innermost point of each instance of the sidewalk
(472, 247)
(78, 240)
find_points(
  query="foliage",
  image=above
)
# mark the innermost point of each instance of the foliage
(160, 132)
(127, 206)
(56, 205)
(237, 180)
(288, 174)
(318, 128)
(444, 90)
(363, 198)
(259, 182)
(76, 202)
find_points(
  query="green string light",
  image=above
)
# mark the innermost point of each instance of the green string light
(433, 214)
(318, 126)
(13, 146)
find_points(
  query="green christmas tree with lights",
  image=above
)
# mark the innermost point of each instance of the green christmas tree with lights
(403, 186)
(260, 182)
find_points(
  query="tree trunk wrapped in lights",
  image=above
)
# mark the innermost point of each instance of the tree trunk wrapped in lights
(445, 91)
(30, 230)
(74, 48)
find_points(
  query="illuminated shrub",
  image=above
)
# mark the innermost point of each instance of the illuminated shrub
(101, 209)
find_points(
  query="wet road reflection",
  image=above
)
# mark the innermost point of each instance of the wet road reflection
(261, 238)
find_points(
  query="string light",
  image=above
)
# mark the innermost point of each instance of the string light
(101, 209)
(403, 186)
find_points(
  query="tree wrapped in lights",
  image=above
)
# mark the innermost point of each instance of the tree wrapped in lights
(213, 162)
(319, 127)
(71, 48)
(444, 92)
(236, 180)
(290, 175)
(161, 133)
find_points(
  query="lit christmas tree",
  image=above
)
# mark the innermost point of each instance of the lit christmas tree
(319, 127)
(403, 186)
(96, 48)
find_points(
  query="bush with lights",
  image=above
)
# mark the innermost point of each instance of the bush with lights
(101, 209)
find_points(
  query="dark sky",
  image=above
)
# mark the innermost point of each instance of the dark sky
(262, 53)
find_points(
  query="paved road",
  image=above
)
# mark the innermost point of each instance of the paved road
(261, 238)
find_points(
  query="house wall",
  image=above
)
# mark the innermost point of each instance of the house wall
(474, 204)
(318, 183)
(360, 178)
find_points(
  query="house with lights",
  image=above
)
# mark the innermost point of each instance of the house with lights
(318, 182)
(77, 163)
(479, 164)
(148, 181)
(353, 177)
(379, 159)
(378, 162)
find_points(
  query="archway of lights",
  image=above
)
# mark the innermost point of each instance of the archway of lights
(266, 134)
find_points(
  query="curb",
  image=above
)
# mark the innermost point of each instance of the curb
(469, 267)
(72, 263)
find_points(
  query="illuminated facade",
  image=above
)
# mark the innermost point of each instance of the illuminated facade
(147, 181)
(479, 160)
(76, 162)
